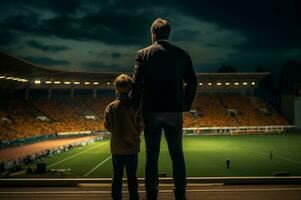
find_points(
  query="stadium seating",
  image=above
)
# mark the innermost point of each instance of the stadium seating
(214, 109)
(66, 115)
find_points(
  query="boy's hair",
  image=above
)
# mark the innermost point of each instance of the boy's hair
(123, 84)
(161, 28)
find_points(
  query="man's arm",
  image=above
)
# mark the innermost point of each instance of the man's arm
(140, 123)
(138, 82)
(107, 119)
(191, 83)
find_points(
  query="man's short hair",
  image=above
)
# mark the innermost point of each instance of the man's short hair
(123, 84)
(161, 28)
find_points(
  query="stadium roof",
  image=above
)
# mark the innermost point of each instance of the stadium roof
(18, 73)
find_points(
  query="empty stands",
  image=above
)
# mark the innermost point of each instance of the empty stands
(67, 115)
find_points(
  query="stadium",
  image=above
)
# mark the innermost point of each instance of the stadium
(52, 129)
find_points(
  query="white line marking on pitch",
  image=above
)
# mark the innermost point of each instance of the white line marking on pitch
(160, 191)
(288, 159)
(74, 155)
(101, 163)
(276, 156)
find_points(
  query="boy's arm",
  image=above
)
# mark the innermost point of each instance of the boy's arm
(107, 119)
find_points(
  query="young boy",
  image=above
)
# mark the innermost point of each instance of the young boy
(125, 126)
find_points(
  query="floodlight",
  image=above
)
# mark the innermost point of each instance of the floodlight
(218, 83)
(227, 83)
(21, 80)
(2, 77)
(245, 83)
(67, 82)
(76, 83)
(37, 82)
(87, 83)
(57, 82)
(48, 82)
(200, 83)
(95, 83)
(236, 83)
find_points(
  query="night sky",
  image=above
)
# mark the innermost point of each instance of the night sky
(100, 35)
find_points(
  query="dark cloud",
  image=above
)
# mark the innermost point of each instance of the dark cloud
(57, 6)
(100, 66)
(115, 55)
(210, 44)
(26, 23)
(47, 48)
(46, 61)
(63, 7)
(110, 28)
(266, 26)
(185, 35)
(7, 38)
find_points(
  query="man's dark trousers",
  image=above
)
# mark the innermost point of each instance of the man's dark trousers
(130, 163)
(171, 124)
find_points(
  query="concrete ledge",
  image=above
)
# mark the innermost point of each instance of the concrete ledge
(63, 182)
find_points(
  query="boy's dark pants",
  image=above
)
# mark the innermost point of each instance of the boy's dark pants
(172, 124)
(129, 162)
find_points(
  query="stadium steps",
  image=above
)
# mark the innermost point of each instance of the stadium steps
(55, 182)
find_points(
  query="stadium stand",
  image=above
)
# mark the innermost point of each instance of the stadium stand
(214, 111)
(65, 115)
(223, 100)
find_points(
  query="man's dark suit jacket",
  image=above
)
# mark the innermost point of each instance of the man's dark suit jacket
(164, 78)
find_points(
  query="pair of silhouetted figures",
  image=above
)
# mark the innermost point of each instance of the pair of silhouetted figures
(163, 86)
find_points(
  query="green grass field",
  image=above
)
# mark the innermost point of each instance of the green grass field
(204, 155)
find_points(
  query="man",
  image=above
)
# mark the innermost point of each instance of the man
(160, 71)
